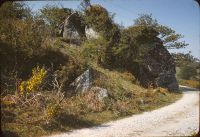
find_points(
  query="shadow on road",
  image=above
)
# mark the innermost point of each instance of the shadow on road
(101, 126)
(187, 89)
(64, 122)
(9, 134)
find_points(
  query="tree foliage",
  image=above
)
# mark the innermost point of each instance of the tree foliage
(85, 4)
(187, 72)
(168, 36)
(21, 37)
(21, 33)
(54, 15)
(101, 21)
(188, 65)
(135, 42)
(182, 59)
(77, 23)
(98, 18)
(14, 10)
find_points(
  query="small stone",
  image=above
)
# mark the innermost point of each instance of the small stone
(101, 92)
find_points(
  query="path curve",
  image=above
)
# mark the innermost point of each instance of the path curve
(178, 119)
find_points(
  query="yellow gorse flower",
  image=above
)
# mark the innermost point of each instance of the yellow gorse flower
(34, 81)
(53, 110)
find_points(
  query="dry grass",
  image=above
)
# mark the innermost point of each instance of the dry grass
(83, 104)
(41, 113)
(190, 83)
(82, 110)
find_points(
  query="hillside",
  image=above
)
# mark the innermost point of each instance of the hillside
(125, 97)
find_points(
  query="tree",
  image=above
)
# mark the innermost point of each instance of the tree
(138, 48)
(14, 10)
(189, 66)
(182, 59)
(12, 16)
(101, 21)
(187, 72)
(168, 36)
(135, 43)
(55, 16)
(21, 36)
(98, 18)
(85, 4)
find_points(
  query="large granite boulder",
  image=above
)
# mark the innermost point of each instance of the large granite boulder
(72, 28)
(85, 83)
(158, 69)
(91, 34)
(168, 80)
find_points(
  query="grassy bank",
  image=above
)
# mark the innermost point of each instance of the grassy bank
(44, 112)
(189, 83)
(44, 117)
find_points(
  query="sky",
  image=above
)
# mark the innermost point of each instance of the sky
(183, 16)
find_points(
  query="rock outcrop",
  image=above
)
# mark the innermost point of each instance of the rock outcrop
(72, 28)
(158, 69)
(91, 34)
(85, 83)
(168, 80)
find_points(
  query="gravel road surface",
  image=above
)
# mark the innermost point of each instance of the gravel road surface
(178, 119)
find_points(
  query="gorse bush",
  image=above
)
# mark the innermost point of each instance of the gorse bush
(94, 49)
(34, 81)
(52, 111)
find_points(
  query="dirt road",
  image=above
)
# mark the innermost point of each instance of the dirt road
(178, 119)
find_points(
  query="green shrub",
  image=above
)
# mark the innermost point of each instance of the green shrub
(187, 72)
(94, 49)
(98, 18)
